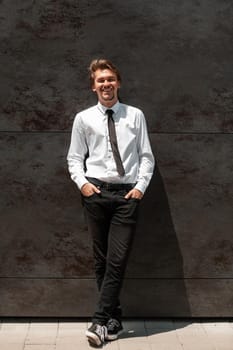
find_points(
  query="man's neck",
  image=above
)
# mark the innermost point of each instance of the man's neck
(108, 104)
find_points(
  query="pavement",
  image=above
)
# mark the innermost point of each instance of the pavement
(17, 334)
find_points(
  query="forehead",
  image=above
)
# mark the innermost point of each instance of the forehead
(104, 73)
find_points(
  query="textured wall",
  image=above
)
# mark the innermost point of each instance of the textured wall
(176, 62)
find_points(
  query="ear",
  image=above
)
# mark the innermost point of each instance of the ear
(93, 87)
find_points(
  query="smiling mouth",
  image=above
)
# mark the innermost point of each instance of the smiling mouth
(107, 92)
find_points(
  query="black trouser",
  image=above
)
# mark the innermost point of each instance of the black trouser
(111, 220)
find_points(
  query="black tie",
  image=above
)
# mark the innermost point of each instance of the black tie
(113, 141)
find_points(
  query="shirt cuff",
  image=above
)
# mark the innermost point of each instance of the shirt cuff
(80, 182)
(141, 187)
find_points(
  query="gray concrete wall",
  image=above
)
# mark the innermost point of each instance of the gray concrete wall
(176, 62)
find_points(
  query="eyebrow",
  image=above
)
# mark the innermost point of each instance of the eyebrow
(108, 77)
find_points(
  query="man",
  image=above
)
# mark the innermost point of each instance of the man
(111, 161)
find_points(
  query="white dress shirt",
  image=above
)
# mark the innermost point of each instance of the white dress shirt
(90, 145)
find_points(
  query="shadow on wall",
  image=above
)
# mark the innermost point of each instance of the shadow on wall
(155, 275)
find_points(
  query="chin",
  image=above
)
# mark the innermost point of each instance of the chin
(109, 97)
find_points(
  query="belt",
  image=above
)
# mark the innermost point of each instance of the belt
(111, 186)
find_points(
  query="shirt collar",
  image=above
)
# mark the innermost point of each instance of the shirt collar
(103, 109)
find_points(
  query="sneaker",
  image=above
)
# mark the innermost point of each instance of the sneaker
(114, 328)
(96, 334)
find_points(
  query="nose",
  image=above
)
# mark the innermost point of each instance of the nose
(106, 84)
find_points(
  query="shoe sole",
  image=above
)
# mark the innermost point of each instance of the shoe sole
(93, 338)
(113, 336)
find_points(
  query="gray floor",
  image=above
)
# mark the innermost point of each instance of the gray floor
(137, 335)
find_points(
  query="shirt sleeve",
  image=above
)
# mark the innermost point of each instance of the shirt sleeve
(146, 158)
(77, 153)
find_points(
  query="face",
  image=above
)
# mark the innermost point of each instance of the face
(106, 86)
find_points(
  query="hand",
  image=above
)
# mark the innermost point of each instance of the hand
(88, 189)
(134, 193)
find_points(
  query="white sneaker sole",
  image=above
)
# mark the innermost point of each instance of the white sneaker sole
(93, 338)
